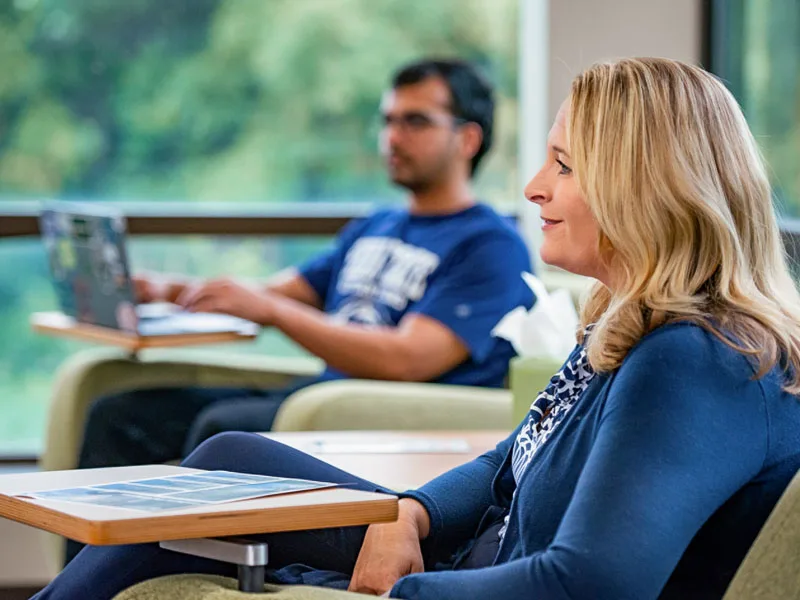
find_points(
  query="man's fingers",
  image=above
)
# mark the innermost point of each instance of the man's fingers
(207, 304)
(141, 289)
(190, 296)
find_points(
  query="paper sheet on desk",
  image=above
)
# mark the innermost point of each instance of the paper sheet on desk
(420, 446)
(187, 322)
(175, 492)
(547, 330)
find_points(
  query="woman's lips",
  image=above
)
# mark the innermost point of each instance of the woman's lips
(549, 223)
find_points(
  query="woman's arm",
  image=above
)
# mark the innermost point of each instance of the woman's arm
(684, 427)
(455, 501)
(392, 550)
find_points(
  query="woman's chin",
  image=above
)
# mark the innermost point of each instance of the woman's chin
(550, 258)
(559, 261)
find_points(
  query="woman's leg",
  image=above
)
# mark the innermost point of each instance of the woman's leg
(102, 572)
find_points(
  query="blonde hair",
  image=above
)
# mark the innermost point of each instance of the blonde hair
(673, 176)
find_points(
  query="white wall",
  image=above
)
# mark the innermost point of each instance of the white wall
(586, 31)
(25, 561)
(576, 34)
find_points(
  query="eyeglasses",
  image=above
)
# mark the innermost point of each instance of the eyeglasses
(415, 122)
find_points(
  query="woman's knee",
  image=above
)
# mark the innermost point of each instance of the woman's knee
(224, 450)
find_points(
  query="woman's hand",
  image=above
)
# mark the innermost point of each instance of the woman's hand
(391, 550)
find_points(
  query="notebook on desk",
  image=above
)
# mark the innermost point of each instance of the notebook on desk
(86, 252)
(177, 492)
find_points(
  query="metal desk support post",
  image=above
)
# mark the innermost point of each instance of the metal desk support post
(250, 556)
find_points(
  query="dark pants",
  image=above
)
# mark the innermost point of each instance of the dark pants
(159, 425)
(102, 572)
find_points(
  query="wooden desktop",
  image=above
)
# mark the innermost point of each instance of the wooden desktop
(61, 325)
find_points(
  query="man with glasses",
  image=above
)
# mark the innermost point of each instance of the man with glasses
(406, 294)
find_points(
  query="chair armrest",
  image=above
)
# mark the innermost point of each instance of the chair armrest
(769, 570)
(214, 587)
(93, 373)
(376, 405)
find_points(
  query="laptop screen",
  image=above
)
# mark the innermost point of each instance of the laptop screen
(88, 264)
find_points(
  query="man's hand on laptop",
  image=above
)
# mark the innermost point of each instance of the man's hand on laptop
(155, 287)
(228, 297)
(150, 289)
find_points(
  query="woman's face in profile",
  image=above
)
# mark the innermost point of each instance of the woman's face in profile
(569, 230)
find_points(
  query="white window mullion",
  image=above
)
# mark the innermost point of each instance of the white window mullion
(534, 81)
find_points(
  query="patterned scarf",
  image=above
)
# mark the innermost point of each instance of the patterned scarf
(550, 407)
(547, 411)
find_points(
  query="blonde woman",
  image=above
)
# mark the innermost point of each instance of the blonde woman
(648, 465)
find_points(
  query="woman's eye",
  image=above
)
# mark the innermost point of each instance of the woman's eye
(564, 170)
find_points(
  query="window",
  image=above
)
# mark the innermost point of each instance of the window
(227, 100)
(755, 46)
(209, 101)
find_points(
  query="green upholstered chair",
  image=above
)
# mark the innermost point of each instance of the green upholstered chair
(771, 568)
(210, 587)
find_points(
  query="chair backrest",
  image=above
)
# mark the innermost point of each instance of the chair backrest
(771, 568)
(355, 404)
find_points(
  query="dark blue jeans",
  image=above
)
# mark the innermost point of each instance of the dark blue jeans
(149, 426)
(321, 557)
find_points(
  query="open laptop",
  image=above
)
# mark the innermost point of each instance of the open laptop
(85, 246)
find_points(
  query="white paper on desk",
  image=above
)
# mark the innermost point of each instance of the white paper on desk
(156, 310)
(188, 322)
(420, 446)
(176, 492)
(547, 330)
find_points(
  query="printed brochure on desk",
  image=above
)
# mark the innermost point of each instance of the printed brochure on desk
(175, 492)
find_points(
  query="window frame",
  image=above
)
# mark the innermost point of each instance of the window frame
(723, 25)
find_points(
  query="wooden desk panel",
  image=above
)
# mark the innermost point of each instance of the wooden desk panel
(393, 469)
(59, 324)
(99, 525)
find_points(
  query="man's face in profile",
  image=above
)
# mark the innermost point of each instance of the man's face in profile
(419, 139)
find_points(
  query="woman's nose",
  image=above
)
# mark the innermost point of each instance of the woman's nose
(537, 190)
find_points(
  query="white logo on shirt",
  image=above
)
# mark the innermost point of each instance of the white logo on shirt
(387, 271)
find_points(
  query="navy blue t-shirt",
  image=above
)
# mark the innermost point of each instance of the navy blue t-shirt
(461, 269)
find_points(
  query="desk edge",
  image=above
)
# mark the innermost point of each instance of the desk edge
(164, 527)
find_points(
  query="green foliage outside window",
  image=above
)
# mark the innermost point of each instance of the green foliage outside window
(759, 59)
(237, 100)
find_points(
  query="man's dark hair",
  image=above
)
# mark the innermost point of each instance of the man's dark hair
(471, 94)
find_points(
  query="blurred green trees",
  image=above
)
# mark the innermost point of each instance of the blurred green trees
(241, 100)
(770, 91)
